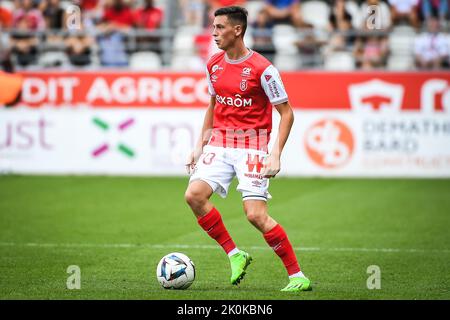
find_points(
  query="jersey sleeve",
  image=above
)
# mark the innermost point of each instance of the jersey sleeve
(273, 86)
(210, 86)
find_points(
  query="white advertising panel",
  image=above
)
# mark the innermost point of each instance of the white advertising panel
(157, 141)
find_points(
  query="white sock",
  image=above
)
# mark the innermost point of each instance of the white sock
(297, 275)
(232, 252)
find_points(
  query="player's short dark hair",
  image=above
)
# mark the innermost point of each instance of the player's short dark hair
(237, 15)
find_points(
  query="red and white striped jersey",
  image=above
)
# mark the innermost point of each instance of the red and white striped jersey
(245, 91)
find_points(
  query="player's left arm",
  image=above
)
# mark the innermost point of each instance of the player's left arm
(273, 162)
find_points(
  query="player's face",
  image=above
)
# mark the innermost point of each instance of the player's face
(224, 32)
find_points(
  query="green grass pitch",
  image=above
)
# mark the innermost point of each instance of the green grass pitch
(117, 228)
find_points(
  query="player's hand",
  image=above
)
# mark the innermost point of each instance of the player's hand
(271, 166)
(192, 160)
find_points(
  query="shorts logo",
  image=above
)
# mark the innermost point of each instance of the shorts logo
(255, 162)
(256, 183)
(243, 85)
(268, 77)
(329, 143)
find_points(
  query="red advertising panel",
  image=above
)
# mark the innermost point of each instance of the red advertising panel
(371, 91)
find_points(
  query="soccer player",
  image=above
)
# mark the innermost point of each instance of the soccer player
(234, 141)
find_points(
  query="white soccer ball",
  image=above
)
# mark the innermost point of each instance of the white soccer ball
(175, 271)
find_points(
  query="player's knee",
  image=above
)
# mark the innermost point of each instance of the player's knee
(256, 218)
(194, 198)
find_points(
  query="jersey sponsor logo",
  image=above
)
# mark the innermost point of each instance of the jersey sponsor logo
(213, 78)
(236, 101)
(268, 77)
(329, 143)
(243, 85)
(246, 72)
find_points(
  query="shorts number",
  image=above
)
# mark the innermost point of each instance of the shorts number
(208, 158)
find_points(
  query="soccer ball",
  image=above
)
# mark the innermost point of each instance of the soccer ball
(175, 271)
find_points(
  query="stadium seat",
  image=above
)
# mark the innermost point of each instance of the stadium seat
(163, 4)
(339, 61)
(353, 8)
(64, 4)
(316, 13)
(53, 59)
(287, 62)
(284, 39)
(187, 63)
(400, 62)
(404, 30)
(147, 60)
(401, 43)
(184, 40)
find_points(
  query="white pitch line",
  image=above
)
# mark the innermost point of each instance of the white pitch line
(188, 246)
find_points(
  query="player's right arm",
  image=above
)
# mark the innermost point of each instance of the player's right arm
(203, 139)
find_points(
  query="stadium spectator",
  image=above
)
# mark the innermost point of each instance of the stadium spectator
(28, 16)
(405, 12)
(148, 16)
(112, 49)
(309, 47)
(193, 12)
(429, 7)
(88, 5)
(371, 52)
(118, 15)
(284, 11)
(54, 17)
(53, 13)
(262, 34)
(26, 19)
(5, 18)
(431, 48)
(340, 27)
(79, 49)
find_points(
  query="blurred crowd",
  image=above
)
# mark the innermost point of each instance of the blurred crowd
(369, 34)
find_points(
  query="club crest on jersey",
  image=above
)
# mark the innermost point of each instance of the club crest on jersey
(246, 72)
(243, 85)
